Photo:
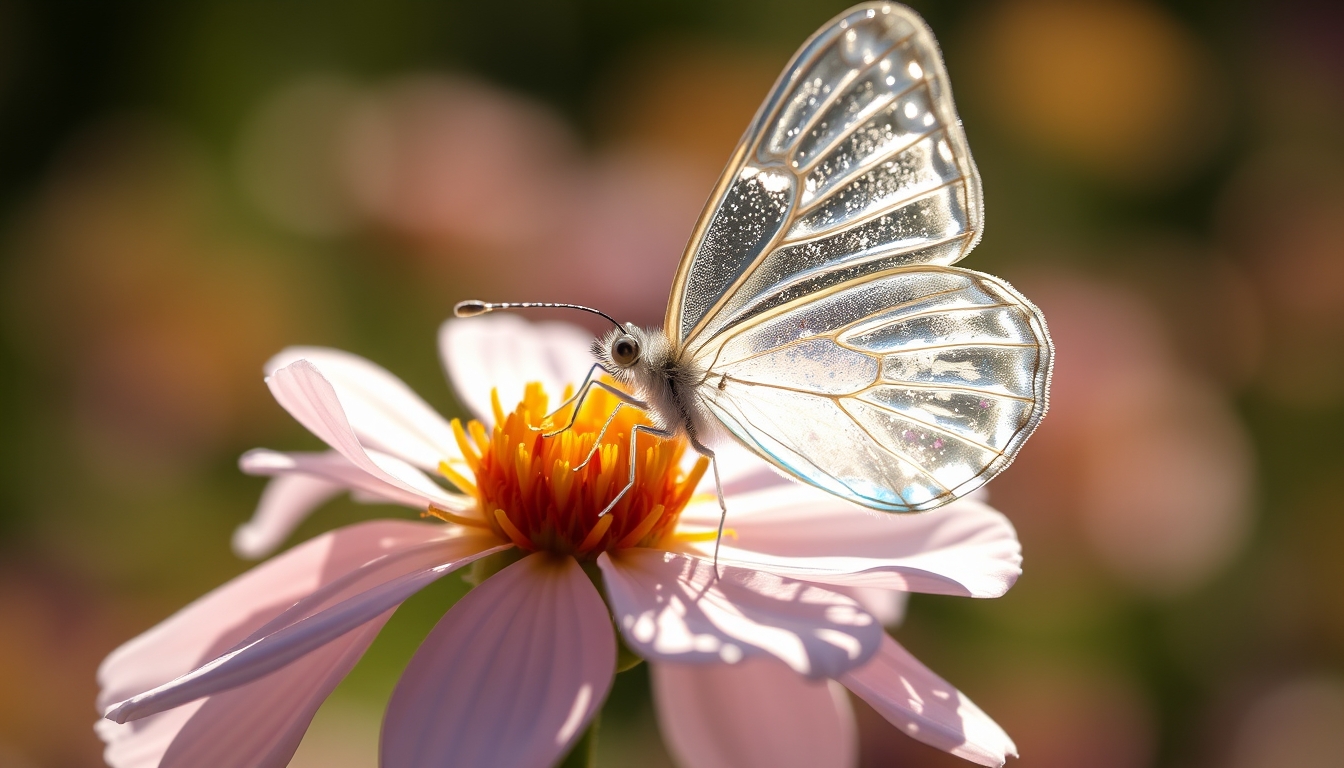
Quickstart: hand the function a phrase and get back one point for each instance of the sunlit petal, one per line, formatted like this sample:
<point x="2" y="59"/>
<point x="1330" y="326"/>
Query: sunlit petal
<point x="505" y="352"/>
<point x="257" y="725"/>
<point x="755" y="714"/>
<point x="286" y="502"/>
<point x="303" y="391"/>
<point x="965" y="548"/>
<point x="356" y="598"/>
<point x="511" y="676"/>
<point x="384" y="412"/>
<point x="671" y="607"/>
<point x="927" y="708"/>
<point x="222" y="618"/>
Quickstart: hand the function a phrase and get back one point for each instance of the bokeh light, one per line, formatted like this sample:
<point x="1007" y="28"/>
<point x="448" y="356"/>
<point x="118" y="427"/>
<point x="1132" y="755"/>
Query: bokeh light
<point x="1119" y="88"/>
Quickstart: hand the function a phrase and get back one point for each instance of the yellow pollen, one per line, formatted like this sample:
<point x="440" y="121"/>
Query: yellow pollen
<point x="533" y="496"/>
<point x="443" y="514"/>
<point x="463" y="484"/>
<point x="694" y="536"/>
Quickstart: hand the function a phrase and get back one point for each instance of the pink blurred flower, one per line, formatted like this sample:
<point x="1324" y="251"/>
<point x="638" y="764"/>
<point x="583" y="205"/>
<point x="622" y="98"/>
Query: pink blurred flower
<point x="1143" y="462"/>
<point x="747" y="668"/>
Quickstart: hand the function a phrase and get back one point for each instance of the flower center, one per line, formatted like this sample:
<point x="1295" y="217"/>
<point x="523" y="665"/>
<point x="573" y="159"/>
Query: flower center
<point x="530" y="493"/>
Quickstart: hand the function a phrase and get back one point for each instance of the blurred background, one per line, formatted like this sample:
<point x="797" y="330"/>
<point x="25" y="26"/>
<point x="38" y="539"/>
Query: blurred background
<point x="185" y="188"/>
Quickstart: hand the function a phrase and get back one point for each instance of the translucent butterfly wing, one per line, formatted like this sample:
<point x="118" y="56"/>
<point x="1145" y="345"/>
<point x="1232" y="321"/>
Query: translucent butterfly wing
<point x="855" y="162"/>
<point x="817" y="294"/>
<point x="900" y="392"/>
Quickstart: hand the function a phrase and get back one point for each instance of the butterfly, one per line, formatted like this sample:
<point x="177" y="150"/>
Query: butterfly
<point x="816" y="316"/>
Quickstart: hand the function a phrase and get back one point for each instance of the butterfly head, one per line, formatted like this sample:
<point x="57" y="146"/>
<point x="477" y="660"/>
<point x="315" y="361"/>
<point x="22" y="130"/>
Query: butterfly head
<point x="625" y="349"/>
<point x="621" y="350"/>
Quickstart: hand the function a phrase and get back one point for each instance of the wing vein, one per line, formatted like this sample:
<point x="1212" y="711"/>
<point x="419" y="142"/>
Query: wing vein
<point x="950" y="345"/>
<point x="807" y="299"/>
<point x="886" y="208"/>
<point x="821" y="152"/>
<point x="834" y="96"/>
<point x="902" y="455"/>
<point x="810" y="298"/>
<point x="934" y="427"/>
<point x="934" y="311"/>
<point x="953" y="388"/>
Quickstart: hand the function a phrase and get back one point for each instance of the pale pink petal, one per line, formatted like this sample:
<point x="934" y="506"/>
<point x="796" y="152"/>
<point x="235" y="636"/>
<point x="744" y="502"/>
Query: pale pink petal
<point x="258" y="725"/>
<point x="965" y="548"/>
<point x="330" y="612"/>
<point x="303" y="391"/>
<point x="143" y="743"/>
<point x="671" y="607"/>
<point x="511" y="676"/>
<point x="286" y="502"/>
<point x="412" y="488"/>
<point x="755" y="714"/>
<point x="504" y="351"/>
<point x="386" y="414"/>
<point x="886" y="605"/>
<point x="305" y="481"/>
<point x="224" y="617"/>
<point x="926" y="707"/>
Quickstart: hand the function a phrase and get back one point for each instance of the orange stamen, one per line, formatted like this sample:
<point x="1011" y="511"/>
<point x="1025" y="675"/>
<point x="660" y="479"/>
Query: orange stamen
<point x="632" y="538"/>
<point x="463" y="484"/>
<point x="452" y="517"/>
<point x="595" y="535"/>
<point x="511" y="531"/>
<point x="539" y="501"/>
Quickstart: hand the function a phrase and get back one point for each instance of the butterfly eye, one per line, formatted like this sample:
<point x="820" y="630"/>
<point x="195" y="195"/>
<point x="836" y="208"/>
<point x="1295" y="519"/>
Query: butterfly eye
<point x="624" y="351"/>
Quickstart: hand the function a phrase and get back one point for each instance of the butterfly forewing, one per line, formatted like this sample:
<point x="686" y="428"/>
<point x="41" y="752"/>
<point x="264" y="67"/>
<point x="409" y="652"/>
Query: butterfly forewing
<point x="856" y="163"/>
<point x="900" y="391"/>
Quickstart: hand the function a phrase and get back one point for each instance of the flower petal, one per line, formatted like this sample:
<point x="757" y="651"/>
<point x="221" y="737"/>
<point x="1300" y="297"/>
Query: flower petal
<point x="384" y="412"/>
<point x="506" y="352"/>
<point x="220" y="619"/>
<point x="335" y="468"/>
<point x="330" y="612"/>
<point x="255" y="725"/>
<point x="926" y="707"/>
<point x="303" y="391"/>
<point x="286" y="502"/>
<point x="886" y="605"/>
<point x="965" y="548"/>
<point x="756" y="713"/>
<point x="671" y="607"/>
<point x="511" y="676"/>
<point x="304" y="481"/>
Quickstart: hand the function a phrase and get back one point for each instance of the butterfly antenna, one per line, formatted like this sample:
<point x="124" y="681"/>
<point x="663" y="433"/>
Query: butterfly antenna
<point x="474" y="307"/>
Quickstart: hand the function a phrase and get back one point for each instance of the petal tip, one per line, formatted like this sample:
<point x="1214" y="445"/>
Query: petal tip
<point x="250" y="543"/>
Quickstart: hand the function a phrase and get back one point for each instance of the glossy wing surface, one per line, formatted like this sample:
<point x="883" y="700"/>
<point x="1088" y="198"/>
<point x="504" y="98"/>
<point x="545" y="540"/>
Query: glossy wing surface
<point x="856" y="163"/>
<point x="899" y="391"/>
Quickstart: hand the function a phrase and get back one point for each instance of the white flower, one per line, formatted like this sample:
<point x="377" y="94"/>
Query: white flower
<point x="746" y="668"/>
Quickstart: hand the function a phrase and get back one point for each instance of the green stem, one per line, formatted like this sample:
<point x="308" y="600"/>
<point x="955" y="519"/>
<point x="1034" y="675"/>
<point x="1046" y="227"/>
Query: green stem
<point x="584" y="753"/>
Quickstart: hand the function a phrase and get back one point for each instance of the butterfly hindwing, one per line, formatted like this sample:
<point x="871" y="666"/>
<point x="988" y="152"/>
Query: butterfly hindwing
<point x="899" y="391"/>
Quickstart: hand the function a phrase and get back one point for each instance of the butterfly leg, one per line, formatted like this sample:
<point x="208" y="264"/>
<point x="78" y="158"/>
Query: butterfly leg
<point x="597" y="442"/>
<point x="634" y="457"/>
<point x="579" y="397"/>
<point x="704" y="450"/>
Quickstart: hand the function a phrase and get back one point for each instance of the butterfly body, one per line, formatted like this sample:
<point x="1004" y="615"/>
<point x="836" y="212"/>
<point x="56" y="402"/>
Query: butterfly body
<point x="668" y="384"/>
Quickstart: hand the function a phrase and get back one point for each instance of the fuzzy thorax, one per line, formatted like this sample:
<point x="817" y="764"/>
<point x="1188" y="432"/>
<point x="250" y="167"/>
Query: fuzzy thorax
<point x="668" y="384"/>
